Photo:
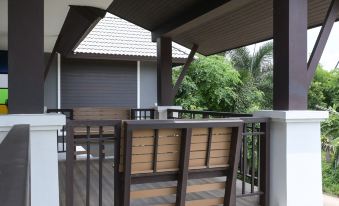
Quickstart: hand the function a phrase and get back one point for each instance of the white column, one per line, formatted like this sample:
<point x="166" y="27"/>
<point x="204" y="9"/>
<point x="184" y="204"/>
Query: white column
<point x="43" y="154"/>
<point x="161" y="111"/>
<point x="295" y="157"/>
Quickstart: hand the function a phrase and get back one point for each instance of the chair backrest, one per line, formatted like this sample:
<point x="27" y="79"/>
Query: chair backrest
<point x="101" y="113"/>
<point x="164" y="150"/>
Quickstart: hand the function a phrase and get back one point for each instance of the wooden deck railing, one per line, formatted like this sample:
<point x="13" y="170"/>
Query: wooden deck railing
<point x="142" y="114"/>
<point x="192" y="114"/>
<point x="252" y="175"/>
<point x="14" y="167"/>
<point x="86" y="133"/>
<point x="254" y="162"/>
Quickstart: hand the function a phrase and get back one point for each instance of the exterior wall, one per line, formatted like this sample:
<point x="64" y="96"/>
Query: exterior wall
<point x="98" y="83"/>
<point x="148" y="81"/>
<point x="51" y="85"/>
<point x="148" y="84"/>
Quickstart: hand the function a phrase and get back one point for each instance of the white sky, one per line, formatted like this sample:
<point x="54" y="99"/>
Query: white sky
<point x="330" y="56"/>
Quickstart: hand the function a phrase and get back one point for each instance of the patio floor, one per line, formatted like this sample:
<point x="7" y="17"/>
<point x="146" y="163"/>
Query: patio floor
<point x="108" y="194"/>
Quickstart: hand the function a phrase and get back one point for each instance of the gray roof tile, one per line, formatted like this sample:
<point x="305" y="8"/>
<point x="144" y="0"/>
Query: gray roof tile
<point x="115" y="36"/>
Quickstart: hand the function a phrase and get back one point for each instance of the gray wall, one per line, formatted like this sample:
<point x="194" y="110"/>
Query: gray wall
<point x="51" y="85"/>
<point x="148" y="84"/>
<point x="98" y="83"/>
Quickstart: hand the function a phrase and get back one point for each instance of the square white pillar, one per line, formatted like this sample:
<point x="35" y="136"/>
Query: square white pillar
<point x="295" y="157"/>
<point x="44" y="179"/>
<point x="161" y="111"/>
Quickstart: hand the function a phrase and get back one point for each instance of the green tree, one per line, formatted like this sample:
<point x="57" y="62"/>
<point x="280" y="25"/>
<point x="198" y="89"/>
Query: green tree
<point x="213" y="84"/>
<point x="256" y="69"/>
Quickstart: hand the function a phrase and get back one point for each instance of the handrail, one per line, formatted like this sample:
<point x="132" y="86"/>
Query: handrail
<point x="192" y="114"/>
<point x="142" y="113"/>
<point x="14" y="167"/>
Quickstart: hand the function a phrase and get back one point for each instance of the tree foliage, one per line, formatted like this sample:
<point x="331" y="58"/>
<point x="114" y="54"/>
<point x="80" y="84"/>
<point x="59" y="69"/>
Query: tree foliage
<point x="213" y="84"/>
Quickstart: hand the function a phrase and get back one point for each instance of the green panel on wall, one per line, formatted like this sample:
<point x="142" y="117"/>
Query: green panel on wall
<point x="3" y="96"/>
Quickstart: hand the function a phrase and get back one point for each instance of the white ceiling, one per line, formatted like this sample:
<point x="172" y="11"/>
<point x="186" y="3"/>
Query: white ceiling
<point x="55" y="14"/>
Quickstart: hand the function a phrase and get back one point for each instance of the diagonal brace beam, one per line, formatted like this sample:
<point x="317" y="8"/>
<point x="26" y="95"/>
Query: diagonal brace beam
<point x="322" y="40"/>
<point x="185" y="69"/>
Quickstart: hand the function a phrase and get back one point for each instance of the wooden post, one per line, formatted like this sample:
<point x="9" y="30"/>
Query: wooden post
<point x="164" y="71"/>
<point x="26" y="56"/>
<point x="290" y="55"/>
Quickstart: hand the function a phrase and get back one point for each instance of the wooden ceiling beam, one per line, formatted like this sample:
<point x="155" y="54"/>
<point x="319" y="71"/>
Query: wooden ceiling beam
<point x="79" y="21"/>
<point x="323" y="36"/>
<point x="183" y="18"/>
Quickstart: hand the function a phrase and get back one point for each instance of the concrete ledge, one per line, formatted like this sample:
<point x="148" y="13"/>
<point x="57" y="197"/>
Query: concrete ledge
<point x="293" y="115"/>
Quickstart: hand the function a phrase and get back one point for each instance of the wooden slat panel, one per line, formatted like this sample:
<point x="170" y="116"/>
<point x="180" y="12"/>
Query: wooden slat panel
<point x="143" y="141"/>
<point x="169" y="132"/>
<point x="199" y="147"/>
<point x="167" y="165"/>
<point x="219" y="131"/>
<point x="219" y="153"/>
<point x="168" y="156"/>
<point x="197" y="163"/>
<point x="153" y="192"/>
<point x="219" y="161"/>
<point x="221" y="138"/>
<point x="205" y="202"/>
<point x="197" y="155"/>
<point x="220" y="145"/>
<point x="200" y="139"/>
<point x="143" y="133"/>
<point x="168" y="148"/>
<point x="142" y="158"/>
<point x="205" y="187"/>
<point x="199" y="132"/>
<point x="142" y="150"/>
<point x="174" y="140"/>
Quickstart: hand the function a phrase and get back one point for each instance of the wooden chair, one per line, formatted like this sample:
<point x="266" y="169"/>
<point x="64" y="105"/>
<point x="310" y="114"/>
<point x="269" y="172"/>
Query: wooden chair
<point x="166" y="160"/>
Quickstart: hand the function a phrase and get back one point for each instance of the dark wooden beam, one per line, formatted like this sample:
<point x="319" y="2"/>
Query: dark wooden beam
<point x="290" y="86"/>
<point x="79" y="21"/>
<point x="185" y="69"/>
<point x="164" y="71"/>
<point x="322" y="39"/>
<point x="26" y="56"/>
<point x="184" y="17"/>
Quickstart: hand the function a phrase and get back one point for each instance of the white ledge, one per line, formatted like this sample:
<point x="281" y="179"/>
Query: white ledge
<point x="36" y="121"/>
<point x="293" y="115"/>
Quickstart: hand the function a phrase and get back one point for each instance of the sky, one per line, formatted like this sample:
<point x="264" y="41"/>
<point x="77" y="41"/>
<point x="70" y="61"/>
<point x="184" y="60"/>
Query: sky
<point x="330" y="56"/>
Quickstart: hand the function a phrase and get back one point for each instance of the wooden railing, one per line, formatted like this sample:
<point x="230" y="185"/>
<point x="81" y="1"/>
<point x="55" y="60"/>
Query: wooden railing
<point x="192" y="114"/>
<point x="89" y="134"/>
<point x="14" y="167"/>
<point x="142" y="114"/>
<point x="253" y="169"/>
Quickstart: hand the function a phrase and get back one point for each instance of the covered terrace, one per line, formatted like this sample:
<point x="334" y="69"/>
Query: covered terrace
<point x="207" y="27"/>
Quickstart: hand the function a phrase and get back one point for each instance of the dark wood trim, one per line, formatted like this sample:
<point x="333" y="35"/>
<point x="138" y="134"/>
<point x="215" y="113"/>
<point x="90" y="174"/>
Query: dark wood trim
<point x="173" y="176"/>
<point x="69" y="165"/>
<point x="230" y="187"/>
<point x="290" y="62"/>
<point x="80" y="20"/>
<point x="183" y="166"/>
<point x="26" y="56"/>
<point x="184" y="70"/>
<point x="14" y="167"/>
<point x="323" y="36"/>
<point x="186" y="16"/>
<point x="265" y="164"/>
<point x="127" y="166"/>
<point x="164" y="71"/>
